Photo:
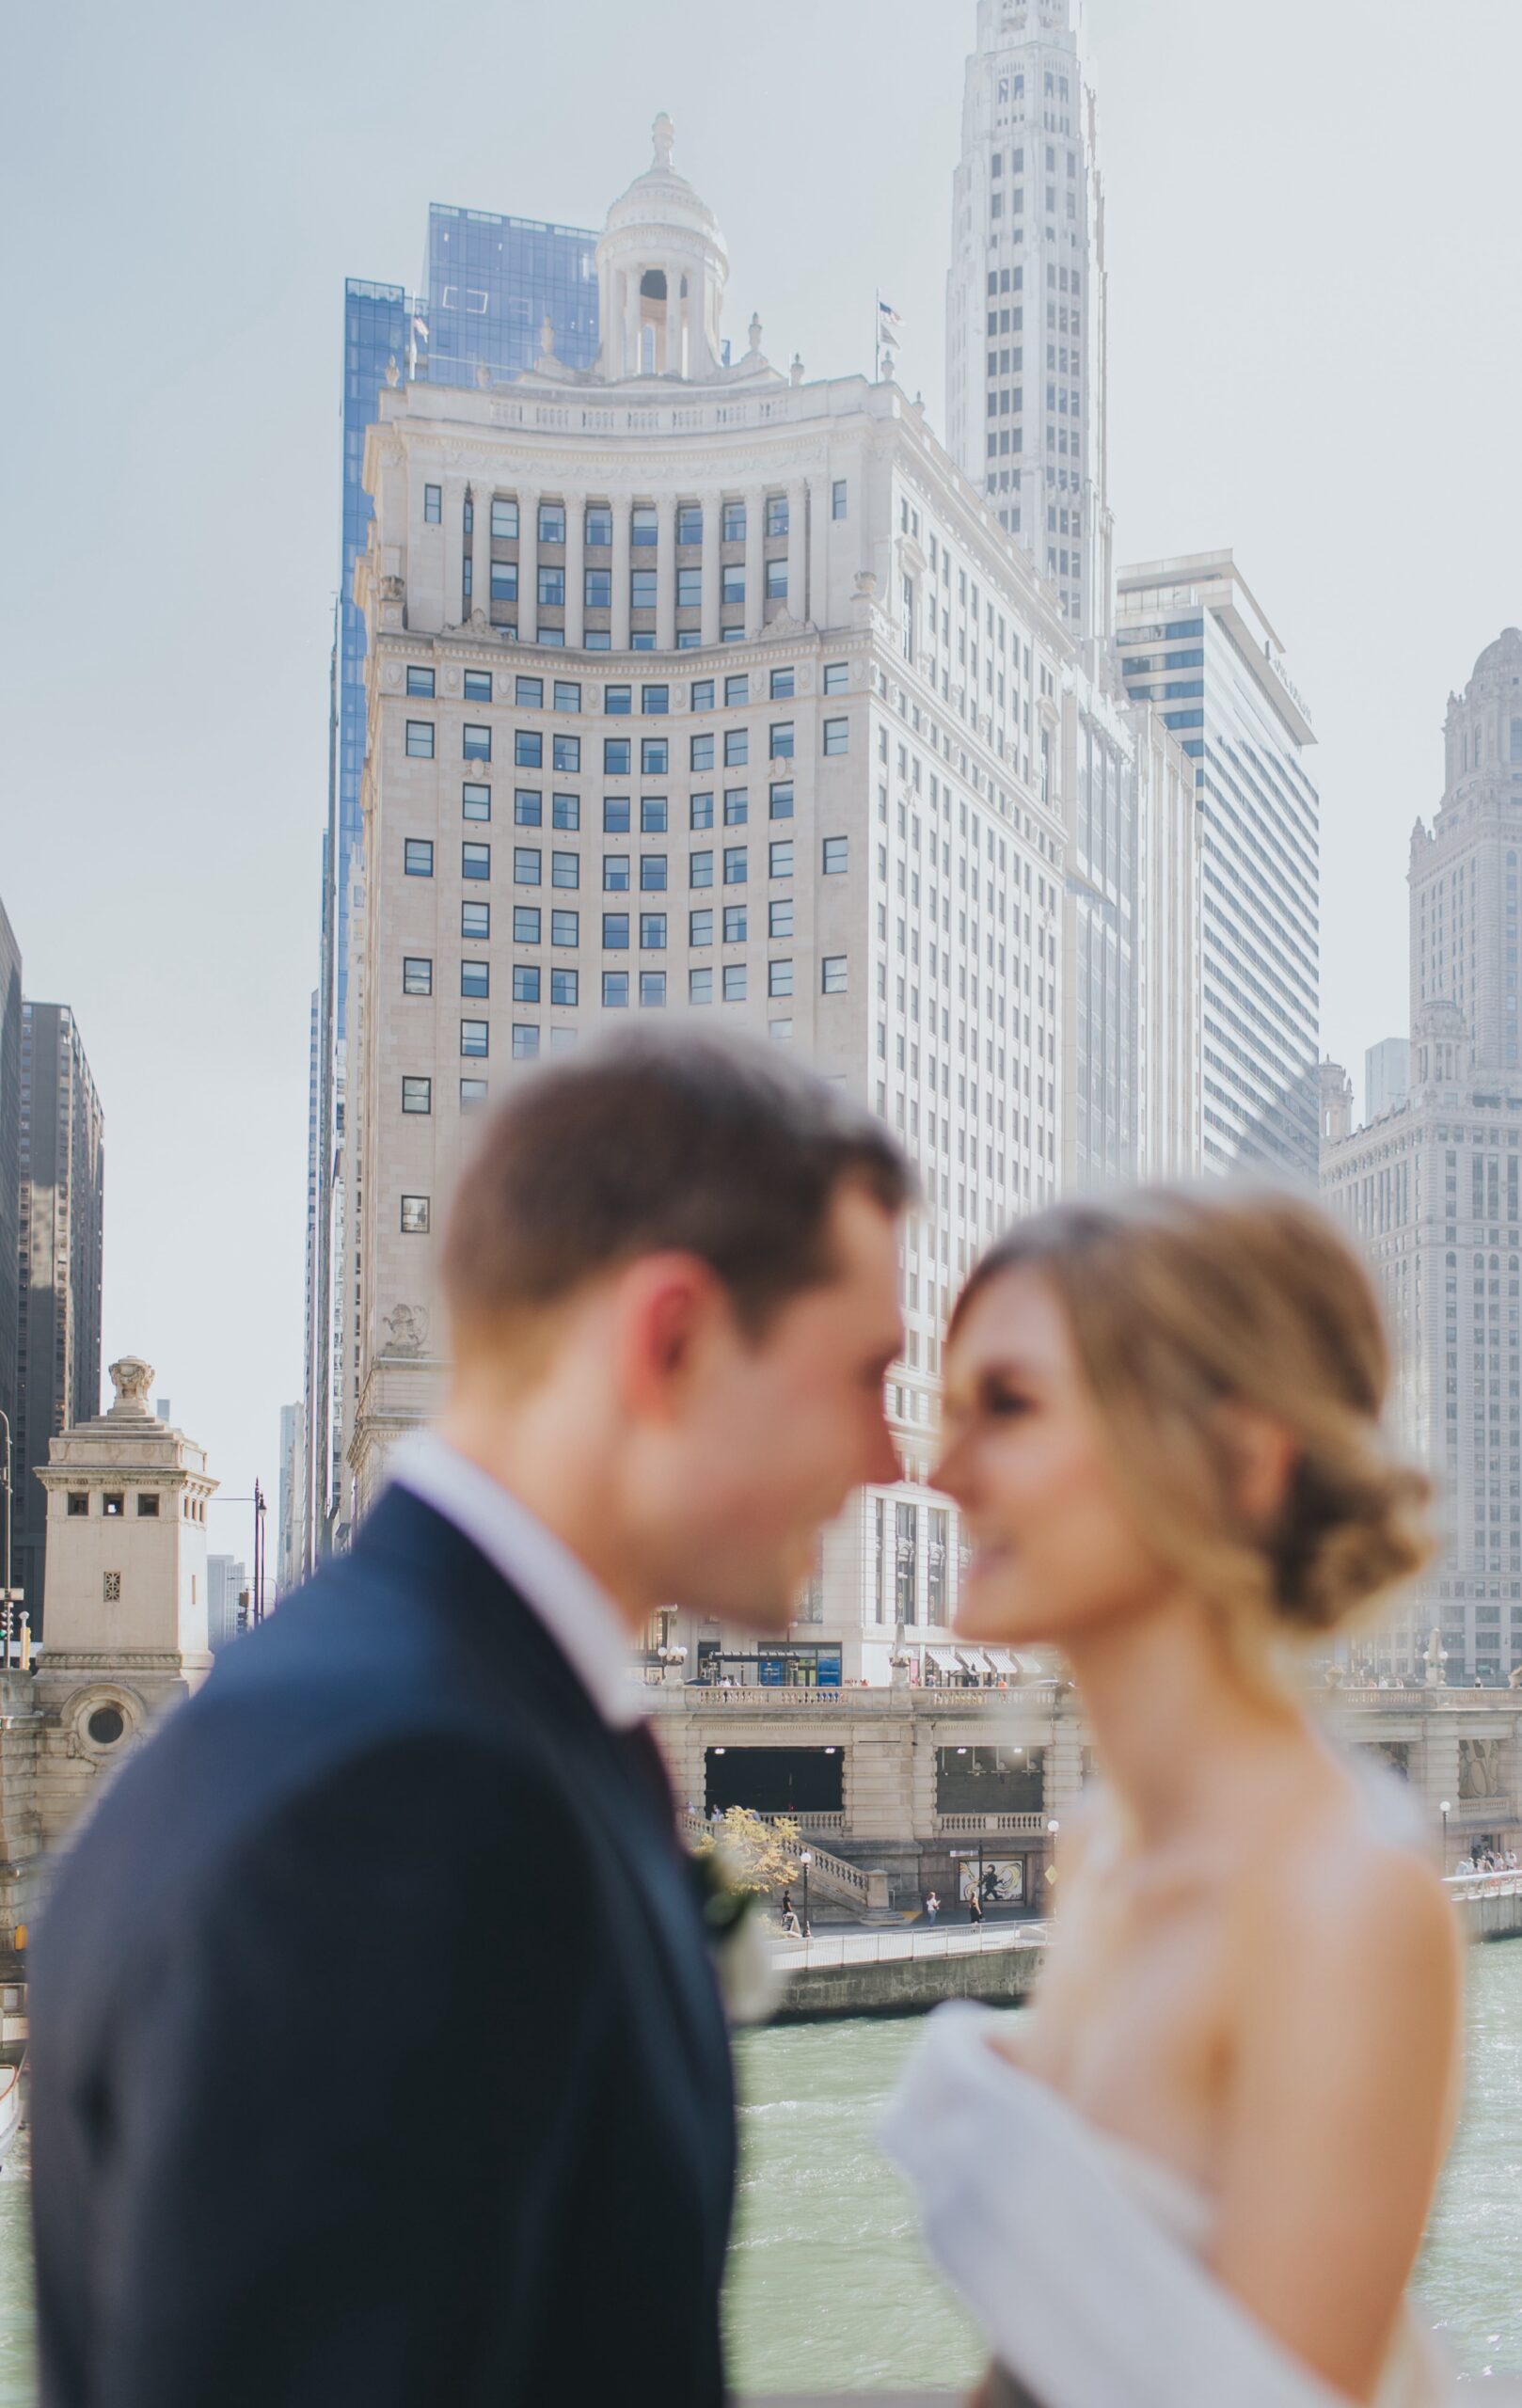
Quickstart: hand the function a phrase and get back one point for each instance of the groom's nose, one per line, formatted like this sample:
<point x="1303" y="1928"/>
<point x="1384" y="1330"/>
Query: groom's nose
<point x="883" y="1466"/>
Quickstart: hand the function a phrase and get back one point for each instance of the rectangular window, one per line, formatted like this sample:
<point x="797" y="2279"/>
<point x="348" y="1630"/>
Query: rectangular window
<point x="504" y="521"/>
<point x="701" y="869"/>
<point x="781" y="740"/>
<point x="475" y="803"/>
<point x="782" y="684"/>
<point x="654" y="755"/>
<point x="475" y="920"/>
<point x="418" y="857"/>
<point x="736" y="691"/>
<point x="526" y="924"/>
<point x="653" y="815"/>
<point x="700" y="752"/>
<point x="736" y="923"/>
<point x="475" y="861"/>
<point x="652" y="988"/>
<point x="837" y="735"/>
<point x="597" y="589"/>
<point x="551" y="587"/>
<point x="651" y="931"/>
<point x="617" y="757"/>
<point x="414" y="1216"/>
<point x="565" y="755"/>
<point x="652" y="873"/>
<point x="836" y="677"/>
<point x="417" y="1095"/>
<point x="702" y="698"/>
<point x="782" y="802"/>
<point x="528" y="807"/>
<point x="618" y="701"/>
<point x="836" y="851"/>
<point x="475" y="977"/>
<point x="420" y="681"/>
<point x="567" y="695"/>
<point x="420" y="739"/>
<point x="565" y="928"/>
<point x="644" y="527"/>
<point x="731" y="581"/>
<point x="433" y="505"/>
<point x="527" y="865"/>
<point x="700" y="985"/>
<point x="566" y="810"/>
<point x="832" y="974"/>
<point x="699" y="927"/>
<point x="565" y="985"/>
<point x="416" y="975"/>
<point x="655" y="701"/>
<point x="552" y="522"/>
<point x="701" y="811"/>
<point x="779" y="978"/>
<point x="733" y="982"/>
<point x="478" y="685"/>
<point x="525" y="984"/>
<point x="504" y="580"/>
<point x="615" y="815"/>
<point x="473" y="1036"/>
<point x="736" y="872"/>
<point x="642" y="589"/>
<point x="777" y="580"/>
<point x="734" y="522"/>
<point x="616" y="991"/>
<point x="737" y="747"/>
<point x="837" y="499"/>
<point x="599" y="524"/>
<point x="615" y="932"/>
<point x="527" y="748"/>
<point x="565" y="869"/>
<point x="472" y="1093"/>
<point x="477" y="744"/>
<point x="525" y="1040"/>
<point x="780" y="863"/>
<point x="780" y="917"/>
<point x="688" y="589"/>
<point x="615" y="873"/>
<point x="777" y="513"/>
<point x="737" y="806"/>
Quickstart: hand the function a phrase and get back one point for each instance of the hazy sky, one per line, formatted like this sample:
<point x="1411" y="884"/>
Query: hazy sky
<point x="1312" y="226"/>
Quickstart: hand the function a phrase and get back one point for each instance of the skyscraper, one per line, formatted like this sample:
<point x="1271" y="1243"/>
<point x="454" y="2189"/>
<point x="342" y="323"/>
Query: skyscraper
<point x="10" y="1127"/>
<point x="1386" y="1075"/>
<point x="1026" y="364"/>
<point x="756" y="718"/>
<point x="1194" y="641"/>
<point x="1434" y="1185"/>
<point x="60" y="1249"/>
<point x="488" y="284"/>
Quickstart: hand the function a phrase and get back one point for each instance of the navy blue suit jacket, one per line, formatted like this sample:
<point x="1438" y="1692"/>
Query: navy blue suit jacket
<point x="377" y="2054"/>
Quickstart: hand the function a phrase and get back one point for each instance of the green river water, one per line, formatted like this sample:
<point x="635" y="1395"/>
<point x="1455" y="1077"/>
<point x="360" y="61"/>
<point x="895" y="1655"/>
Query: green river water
<point x="829" y="2288"/>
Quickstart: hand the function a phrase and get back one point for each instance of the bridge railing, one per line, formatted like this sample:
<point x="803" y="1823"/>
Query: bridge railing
<point x="834" y="1949"/>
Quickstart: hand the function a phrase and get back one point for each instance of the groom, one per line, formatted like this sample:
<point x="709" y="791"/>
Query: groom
<point x="378" y="2056"/>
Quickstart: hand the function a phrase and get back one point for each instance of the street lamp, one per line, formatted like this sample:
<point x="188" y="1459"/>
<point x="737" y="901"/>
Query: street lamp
<point x="805" y="1860"/>
<point x="1051" y="1830"/>
<point x="1445" y="1810"/>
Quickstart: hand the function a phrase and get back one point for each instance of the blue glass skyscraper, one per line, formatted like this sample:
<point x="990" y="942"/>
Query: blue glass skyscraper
<point x="487" y="285"/>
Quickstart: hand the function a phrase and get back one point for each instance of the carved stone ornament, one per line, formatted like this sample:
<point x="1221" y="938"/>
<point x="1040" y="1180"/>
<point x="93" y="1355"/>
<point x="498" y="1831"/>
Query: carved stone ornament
<point x="1480" y="1768"/>
<point x="392" y="672"/>
<point x="392" y="589"/>
<point x="407" y="1330"/>
<point x="132" y="1378"/>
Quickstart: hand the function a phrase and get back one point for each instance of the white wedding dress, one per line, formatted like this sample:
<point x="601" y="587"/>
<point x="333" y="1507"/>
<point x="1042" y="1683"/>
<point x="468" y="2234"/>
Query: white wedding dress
<point x="1079" y="2256"/>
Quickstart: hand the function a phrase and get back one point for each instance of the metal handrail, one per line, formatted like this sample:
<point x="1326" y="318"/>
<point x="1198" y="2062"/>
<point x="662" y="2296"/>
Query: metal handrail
<point x="835" y="1950"/>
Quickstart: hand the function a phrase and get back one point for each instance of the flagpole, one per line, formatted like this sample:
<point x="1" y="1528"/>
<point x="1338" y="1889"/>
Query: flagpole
<point x="876" y="337"/>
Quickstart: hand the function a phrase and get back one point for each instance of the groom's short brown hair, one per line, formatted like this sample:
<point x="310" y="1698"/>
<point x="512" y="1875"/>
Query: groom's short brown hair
<point x="643" y="1144"/>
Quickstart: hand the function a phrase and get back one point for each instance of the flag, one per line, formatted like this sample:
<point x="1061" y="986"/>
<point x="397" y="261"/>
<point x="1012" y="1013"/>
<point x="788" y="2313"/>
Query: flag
<point x="419" y="328"/>
<point x="888" y="322"/>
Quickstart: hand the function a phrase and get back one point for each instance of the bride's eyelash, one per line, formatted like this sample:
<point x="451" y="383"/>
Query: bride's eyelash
<point x="1006" y="1402"/>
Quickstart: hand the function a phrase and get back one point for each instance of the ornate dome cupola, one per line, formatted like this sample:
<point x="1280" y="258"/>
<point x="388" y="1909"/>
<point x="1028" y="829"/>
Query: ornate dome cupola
<point x="661" y="272"/>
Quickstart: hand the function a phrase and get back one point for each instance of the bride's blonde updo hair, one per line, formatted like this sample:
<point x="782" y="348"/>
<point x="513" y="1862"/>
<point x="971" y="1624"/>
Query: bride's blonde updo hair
<point x="1183" y="1301"/>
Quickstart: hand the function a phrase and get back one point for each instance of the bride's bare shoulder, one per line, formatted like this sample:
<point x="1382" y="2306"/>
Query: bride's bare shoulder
<point x="1352" y="1909"/>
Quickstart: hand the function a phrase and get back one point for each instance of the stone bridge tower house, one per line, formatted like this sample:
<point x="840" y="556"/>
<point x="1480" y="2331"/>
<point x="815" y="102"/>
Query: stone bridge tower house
<point x="125" y="1604"/>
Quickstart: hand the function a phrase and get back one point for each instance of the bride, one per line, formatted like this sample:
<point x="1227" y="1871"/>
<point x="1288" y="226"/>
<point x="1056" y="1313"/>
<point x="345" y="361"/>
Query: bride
<point x="1198" y="2173"/>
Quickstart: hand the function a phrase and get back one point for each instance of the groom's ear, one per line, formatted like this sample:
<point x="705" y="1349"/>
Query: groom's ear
<point x="669" y="1312"/>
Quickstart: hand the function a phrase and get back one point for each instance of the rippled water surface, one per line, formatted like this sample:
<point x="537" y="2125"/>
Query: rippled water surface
<point x="830" y="2289"/>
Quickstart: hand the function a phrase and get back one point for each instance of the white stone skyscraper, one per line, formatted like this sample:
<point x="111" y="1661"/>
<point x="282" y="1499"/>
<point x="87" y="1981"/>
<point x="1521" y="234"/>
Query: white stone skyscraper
<point x="1027" y="365"/>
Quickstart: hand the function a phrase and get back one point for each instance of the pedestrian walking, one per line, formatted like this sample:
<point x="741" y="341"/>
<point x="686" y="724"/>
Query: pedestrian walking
<point x="933" y="1906"/>
<point x="974" y="1908"/>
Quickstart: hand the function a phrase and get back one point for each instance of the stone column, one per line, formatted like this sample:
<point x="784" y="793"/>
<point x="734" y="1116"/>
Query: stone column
<point x="620" y="573"/>
<point x="480" y="547"/>
<point x="1440" y="1775"/>
<point x="528" y="566"/>
<point x="674" y="366"/>
<point x="576" y="583"/>
<point x="756" y="574"/>
<point x="815" y="606"/>
<point x="797" y="519"/>
<point x="453" y="509"/>
<point x="631" y="322"/>
<point x="713" y="519"/>
<point x="666" y="573"/>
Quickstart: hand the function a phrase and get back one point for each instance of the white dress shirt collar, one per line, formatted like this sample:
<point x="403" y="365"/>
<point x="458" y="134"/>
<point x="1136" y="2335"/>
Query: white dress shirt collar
<point x="575" y="1609"/>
